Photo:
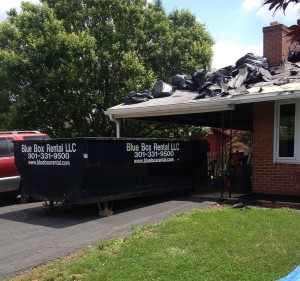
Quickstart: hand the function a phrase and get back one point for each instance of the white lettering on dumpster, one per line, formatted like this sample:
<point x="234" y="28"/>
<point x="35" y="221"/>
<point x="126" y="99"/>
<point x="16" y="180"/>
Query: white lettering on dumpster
<point x="55" y="148"/>
<point x="48" y="154"/>
<point x="132" y="147"/>
<point x="26" y="148"/>
<point x="153" y="152"/>
<point x="37" y="148"/>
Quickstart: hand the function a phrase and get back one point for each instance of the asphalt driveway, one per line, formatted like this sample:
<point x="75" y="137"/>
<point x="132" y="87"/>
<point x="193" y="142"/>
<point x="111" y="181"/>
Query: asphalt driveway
<point x="31" y="235"/>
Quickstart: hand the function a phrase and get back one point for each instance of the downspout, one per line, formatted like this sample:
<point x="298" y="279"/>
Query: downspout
<point x="117" y="122"/>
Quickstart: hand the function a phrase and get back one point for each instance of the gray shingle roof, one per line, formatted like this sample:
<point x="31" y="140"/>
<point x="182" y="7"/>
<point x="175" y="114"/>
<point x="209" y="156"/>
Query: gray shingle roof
<point x="282" y="82"/>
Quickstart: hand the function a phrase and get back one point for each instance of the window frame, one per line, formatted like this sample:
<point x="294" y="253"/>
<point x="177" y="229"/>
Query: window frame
<point x="296" y="157"/>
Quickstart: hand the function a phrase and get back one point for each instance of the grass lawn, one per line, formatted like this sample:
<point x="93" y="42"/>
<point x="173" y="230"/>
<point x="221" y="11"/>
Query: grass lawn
<point x="217" y="243"/>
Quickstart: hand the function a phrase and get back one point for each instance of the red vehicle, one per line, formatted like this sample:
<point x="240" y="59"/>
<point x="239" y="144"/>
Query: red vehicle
<point x="10" y="182"/>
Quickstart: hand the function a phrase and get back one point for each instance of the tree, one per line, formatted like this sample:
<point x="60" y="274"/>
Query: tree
<point x="47" y="73"/>
<point x="179" y="42"/>
<point x="64" y="62"/>
<point x="283" y="4"/>
<point x="133" y="128"/>
<point x="190" y="46"/>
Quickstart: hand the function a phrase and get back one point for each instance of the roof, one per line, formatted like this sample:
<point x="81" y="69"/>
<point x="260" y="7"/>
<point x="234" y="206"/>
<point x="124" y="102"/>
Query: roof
<point x="185" y="102"/>
<point x="186" y="107"/>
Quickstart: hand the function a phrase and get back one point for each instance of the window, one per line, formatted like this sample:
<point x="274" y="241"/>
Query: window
<point x="11" y="146"/>
<point x="4" y="151"/>
<point x="287" y="132"/>
<point x="36" y="138"/>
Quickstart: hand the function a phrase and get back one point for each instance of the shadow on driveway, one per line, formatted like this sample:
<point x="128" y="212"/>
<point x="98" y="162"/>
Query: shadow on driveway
<point x="62" y="216"/>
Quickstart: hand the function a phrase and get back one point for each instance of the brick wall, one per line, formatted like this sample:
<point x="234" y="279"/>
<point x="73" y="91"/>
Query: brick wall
<point x="269" y="177"/>
<point x="276" y="43"/>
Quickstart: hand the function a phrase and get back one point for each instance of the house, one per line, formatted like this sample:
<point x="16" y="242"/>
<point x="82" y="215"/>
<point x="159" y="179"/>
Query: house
<point x="217" y="139"/>
<point x="269" y="108"/>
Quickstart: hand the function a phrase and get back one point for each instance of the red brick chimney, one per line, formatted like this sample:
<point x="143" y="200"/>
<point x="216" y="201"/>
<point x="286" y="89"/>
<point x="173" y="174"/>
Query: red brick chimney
<point x="276" y="43"/>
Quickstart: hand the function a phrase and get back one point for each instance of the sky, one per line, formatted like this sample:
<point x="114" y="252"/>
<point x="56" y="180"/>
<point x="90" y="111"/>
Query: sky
<point x="235" y="25"/>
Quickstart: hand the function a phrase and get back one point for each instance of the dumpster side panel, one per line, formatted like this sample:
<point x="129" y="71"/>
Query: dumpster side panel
<point x="51" y="170"/>
<point x="89" y="170"/>
<point x="127" y="168"/>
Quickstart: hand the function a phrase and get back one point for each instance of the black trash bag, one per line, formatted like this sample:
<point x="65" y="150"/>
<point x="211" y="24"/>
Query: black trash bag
<point x="137" y="97"/>
<point x="250" y="58"/>
<point x="294" y="56"/>
<point x="162" y="89"/>
<point x="244" y="65"/>
<point x="225" y="71"/>
<point x="255" y="73"/>
<point x="183" y="82"/>
<point x="203" y="88"/>
<point x="209" y="90"/>
<point x="199" y="79"/>
<point x="189" y="82"/>
<point x="219" y="79"/>
<point x="213" y="91"/>
<point x="221" y="76"/>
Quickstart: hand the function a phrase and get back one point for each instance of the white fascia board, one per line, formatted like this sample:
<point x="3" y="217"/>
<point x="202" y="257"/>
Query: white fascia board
<point x="170" y="109"/>
<point x="261" y="97"/>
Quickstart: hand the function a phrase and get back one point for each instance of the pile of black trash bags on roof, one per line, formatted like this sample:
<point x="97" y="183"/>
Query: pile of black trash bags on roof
<point x="159" y="90"/>
<point x="248" y="70"/>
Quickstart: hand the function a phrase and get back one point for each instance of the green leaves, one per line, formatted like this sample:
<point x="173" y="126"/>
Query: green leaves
<point x="63" y="63"/>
